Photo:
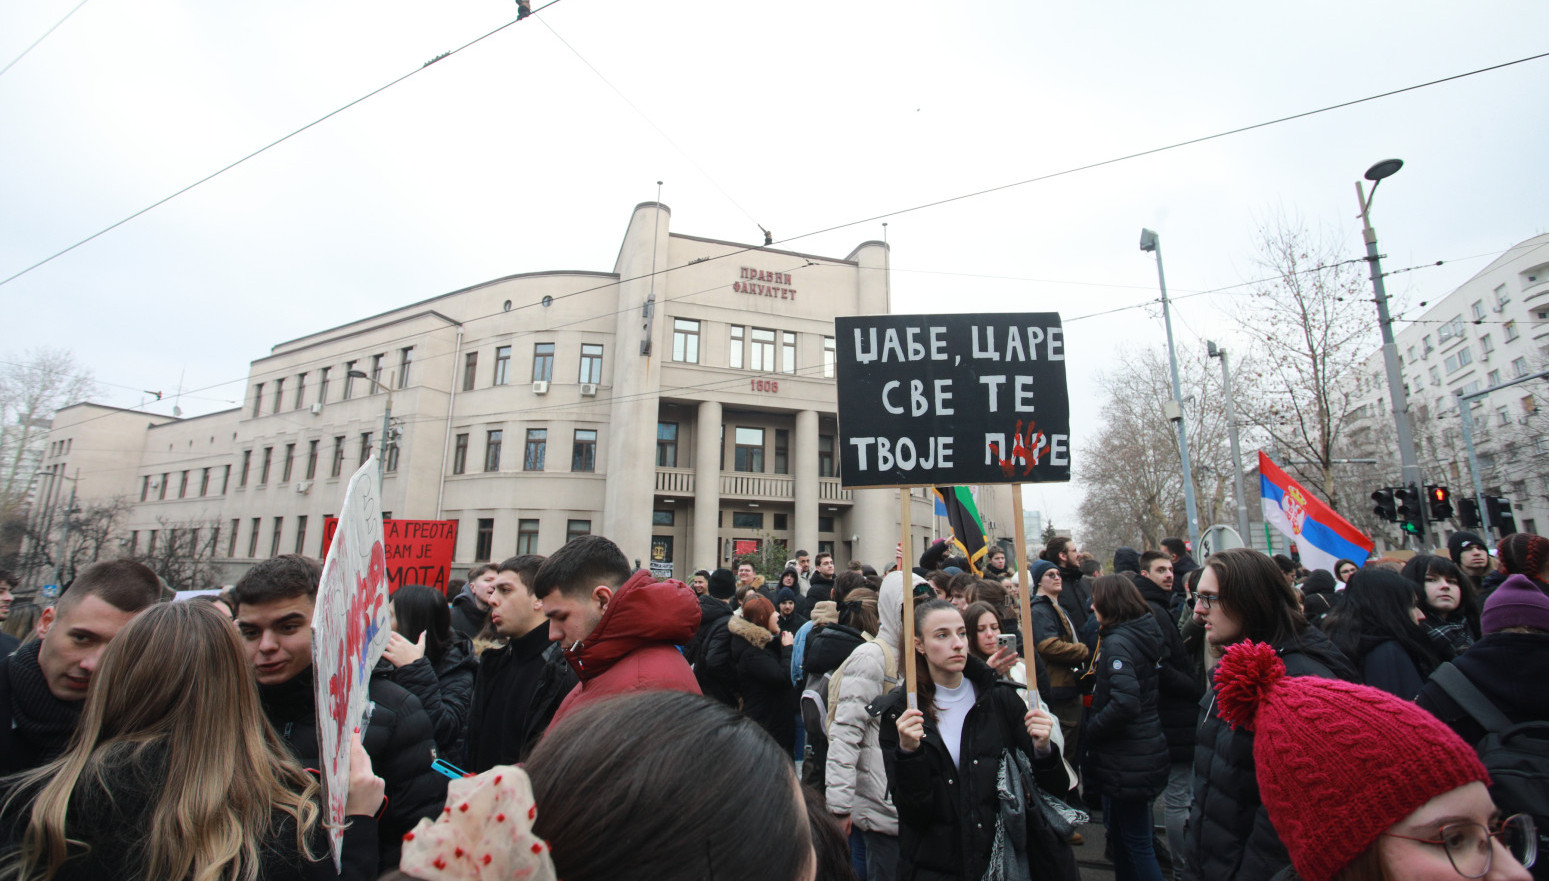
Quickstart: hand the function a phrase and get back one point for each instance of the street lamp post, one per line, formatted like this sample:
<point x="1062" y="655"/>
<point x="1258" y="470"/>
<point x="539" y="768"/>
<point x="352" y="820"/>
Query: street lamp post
<point x="1406" y="442"/>
<point x="1150" y="241"/>
<point x="1231" y="424"/>
<point x="387" y="423"/>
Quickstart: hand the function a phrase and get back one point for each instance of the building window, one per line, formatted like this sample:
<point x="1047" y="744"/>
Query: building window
<point x="747" y="520"/>
<point x="231" y="540"/>
<point x="226" y="480"/>
<point x="685" y="340"/>
<point x="204" y="483"/>
<point x="536" y="449"/>
<point x="274" y="540"/>
<point x="787" y="352"/>
<point x="290" y="458"/>
<point x="1529" y="405"/>
<point x="1501" y="297"/>
<point x="1511" y="331"/>
<point x="1478" y="309"/>
<point x="312" y="458"/>
<point x="829" y="357"/>
<point x="583" y="455"/>
<point x="502" y="365"/>
<point x="145" y="487"/>
<point x="1449" y="330"/>
<point x="301" y="389"/>
<point x="376" y="373"/>
<point x="301" y="535"/>
<point x="527" y="536"/>
<point x="749" y="451"/>
<point x="1519" y="368"/>
<point x="150" y="547"/>
<point x="279" y="394"/>
<point x="1494" y="378"/>
<point x="134" y="542"/>
<point x="1486" y="345"/>
<point x="322" y="385"/>
<point x="1435" y="376"/>
<point x="542" y="362"/>
<point x="782" y="451"/>
<point x="460" y="454"/>
<point x="484" y="540"/>
<point x="349" y="381"/>
<point x="666" y="445"/>
<point x="1426" y="347"/>
<point x="591" y="363"/>
<point x="1458" y="360"/>
<point x="1502" y="416"/>
<point x="662" y="517"/>
<point x="782" y="522"/>
<point x="738" y="333"/>
<point x="826" y="456"/>
<point x="577" y="528"/>
<point x="405" y="361"/>
<point x="365" y="448"/>
<point x="182" y="488"/>
<point x="263" y="466"/>
<point x="492" y="454"/>
<point x="761" y="350"/>
<point x="338" y="457"/>
<point x="247" y="462"/>
<point x="392" y="454"/>
<point x="252" y="540"/>
<point x="470" y="365"/>
<point x="826" y="524"/>
<point x="258" y="399"/>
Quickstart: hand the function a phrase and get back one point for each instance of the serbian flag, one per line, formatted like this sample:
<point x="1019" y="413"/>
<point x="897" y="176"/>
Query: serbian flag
<point x="1321" y="535"/>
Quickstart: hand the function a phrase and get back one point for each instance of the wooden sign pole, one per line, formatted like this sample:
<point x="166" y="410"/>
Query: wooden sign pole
<point x="1025" y="599"/>
<point x="905" y="546"/>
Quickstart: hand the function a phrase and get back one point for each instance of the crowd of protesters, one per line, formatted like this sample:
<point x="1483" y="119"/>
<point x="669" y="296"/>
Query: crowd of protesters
<point x="570" y="717"/>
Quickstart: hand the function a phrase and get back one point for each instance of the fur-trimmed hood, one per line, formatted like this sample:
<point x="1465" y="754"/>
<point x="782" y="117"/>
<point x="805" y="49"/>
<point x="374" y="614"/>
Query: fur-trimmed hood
<point x="758" y="636"/>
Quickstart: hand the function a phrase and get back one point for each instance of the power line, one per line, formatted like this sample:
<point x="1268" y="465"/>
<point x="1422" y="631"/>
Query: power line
<point x="217" y="173"/>
<point x="42" y="38"/>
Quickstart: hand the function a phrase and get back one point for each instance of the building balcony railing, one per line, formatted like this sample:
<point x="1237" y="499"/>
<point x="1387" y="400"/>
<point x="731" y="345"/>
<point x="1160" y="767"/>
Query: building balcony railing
<point x="829" y="490"/>
<point x="757" y="486"/>
<point x="735" y="484"/>
<point x="675" y="481"/>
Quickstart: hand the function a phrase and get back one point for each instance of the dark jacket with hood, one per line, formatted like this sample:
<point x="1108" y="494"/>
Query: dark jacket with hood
<point x="713" y="668"/>
<point x="1230" y="837"/>
<point x="1179" y="687"/>
<point x="445" y="690"/>
<point x="829" y="647"/>
<point x="467" y="618"/>
<point x="764" y="680"/>
<point x="1510" y="669"/>
<point x="1318" y="596"/>
<point x="1126" y="753"/>
<point x="517" y="690"/>
<point x="712" y="612"/>
<point x="1062" y="652"/>
<point x="398" y="738"/>
<point x="35" y="726"/>
<point x="634" y="647"/>
<point x="947" y="812"/>
<point x="1076" y="600"/>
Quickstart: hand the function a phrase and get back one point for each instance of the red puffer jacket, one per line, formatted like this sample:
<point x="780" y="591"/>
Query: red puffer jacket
<point x="635" y="645"/>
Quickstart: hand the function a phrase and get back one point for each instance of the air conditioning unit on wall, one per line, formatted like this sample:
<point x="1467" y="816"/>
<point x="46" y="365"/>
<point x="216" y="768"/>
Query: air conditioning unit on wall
<point x="589" y="389"/>
<point x="317" y="408"/>
<point x="304" y="487"/>
<point x="541" y="387"/>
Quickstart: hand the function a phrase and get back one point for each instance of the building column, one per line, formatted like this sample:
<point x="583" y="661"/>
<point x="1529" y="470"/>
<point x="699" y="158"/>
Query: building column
<point x="707" y="487"/>
<point x="806" y="470"/>
<point x="874" y="523"/>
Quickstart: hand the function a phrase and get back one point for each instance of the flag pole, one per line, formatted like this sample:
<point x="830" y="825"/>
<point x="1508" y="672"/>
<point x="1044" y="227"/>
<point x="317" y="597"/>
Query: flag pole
<point x="904" y="570"/>
<point x="1024" y="599"/>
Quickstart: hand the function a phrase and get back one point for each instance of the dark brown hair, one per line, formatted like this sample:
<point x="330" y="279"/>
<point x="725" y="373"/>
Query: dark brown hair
<point x="1117" y="599"/>
<point x="123" y="584"/>
<point x="971" y="616"/>
<point x="583" y="563"/>
<point x="860" y="611"/>
<point x="1255" y="592"/>
<point x="282" y="578"/>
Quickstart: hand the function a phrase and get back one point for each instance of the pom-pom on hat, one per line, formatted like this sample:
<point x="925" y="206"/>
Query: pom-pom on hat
<point x="484" y="832"/>
<point x="1389" y="756"/>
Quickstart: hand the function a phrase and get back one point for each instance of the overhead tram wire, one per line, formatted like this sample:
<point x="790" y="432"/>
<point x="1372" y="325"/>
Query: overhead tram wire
<point x="261" y="150"/>
<point x="872" y="219"/>
<point x="42" y="38"/>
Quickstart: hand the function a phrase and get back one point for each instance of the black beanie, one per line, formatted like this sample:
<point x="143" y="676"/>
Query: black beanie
<point x="1459" y="540"/>
<point x="723" y="584"/>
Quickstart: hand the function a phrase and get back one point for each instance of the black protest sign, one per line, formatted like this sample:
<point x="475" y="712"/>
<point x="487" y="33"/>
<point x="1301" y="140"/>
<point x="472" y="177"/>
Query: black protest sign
<point x="952" y="399"/>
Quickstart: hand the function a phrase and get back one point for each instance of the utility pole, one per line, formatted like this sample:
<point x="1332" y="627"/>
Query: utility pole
<point x="1231" y="424"/>
<point x="1406" y="441"/>
<point x="1150" y="241"/>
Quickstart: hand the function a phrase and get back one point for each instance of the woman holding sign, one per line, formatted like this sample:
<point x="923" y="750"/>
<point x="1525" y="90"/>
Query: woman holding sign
<point x="943" y="759"/>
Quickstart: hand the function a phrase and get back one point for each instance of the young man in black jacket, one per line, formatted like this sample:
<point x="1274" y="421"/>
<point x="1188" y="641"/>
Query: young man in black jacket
<point x="274" y="617"/>
<point x="43" y="685"/>
<point x="520" y="684"/>
<point x="1243" y="595"/>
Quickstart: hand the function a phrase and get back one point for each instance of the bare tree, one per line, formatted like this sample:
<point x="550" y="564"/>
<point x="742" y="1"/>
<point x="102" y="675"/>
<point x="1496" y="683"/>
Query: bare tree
<point x="183" y="553"/>
<point x="1132" y="470"/>
<point x="33" y="386"/>
<point x="1311" y="327"/>
<point x="73" y="540"/>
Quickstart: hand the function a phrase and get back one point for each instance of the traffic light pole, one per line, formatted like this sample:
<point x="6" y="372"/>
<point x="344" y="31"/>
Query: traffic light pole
<point x="1465" y="410"/>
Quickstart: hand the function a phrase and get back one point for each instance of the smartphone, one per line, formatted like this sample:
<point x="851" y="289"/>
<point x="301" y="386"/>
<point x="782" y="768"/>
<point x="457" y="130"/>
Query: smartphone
<point x="1007" y="641"/>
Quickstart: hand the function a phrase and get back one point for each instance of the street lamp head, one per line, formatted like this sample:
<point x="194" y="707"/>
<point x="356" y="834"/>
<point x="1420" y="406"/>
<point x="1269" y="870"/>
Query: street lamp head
<point x="1212" y="349"/>
<point x="1148" y="240"/>
<point x="358" y="374"/>
<point x="1385" y="168"/>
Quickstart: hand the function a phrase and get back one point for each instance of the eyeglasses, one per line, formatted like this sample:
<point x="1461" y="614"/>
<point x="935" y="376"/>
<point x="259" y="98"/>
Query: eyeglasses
<point x="1203" y="601"/>
<point x="1471" y="848"/>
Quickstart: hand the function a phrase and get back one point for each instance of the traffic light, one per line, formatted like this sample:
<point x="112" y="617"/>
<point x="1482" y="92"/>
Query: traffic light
<point x="1386" y="508"/>
<point x="1440" y="500"/>
<point x="1410" y="514"/>
<point x="1500" y="513"/>
<point x="1468" y="512"/>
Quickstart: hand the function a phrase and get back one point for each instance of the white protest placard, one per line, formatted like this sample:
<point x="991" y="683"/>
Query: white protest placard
<point x="350" y="627"/>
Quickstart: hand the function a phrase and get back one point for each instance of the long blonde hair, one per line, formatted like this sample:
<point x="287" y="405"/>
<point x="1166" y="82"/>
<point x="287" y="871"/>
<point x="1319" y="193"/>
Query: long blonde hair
<point x="173" y="689"/>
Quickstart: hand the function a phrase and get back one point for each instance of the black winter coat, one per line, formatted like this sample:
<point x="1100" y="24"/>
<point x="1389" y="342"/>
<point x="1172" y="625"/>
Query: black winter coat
<point x="764" y="680"/>
<point x="1076" y="599"/>
<point x="1179" y="685"/>
<point x="1063" y="654"/>
<point x="1229" y="835"/>
<point x="1384" y="664"/>
<point x="467" y="618"/>
<point x="715" y="670"/>
<point x="1510" y="669"/>
<point x="503" y="727"/>
<point x="444" y="690"/>
<point x="398" y="739"/>
<point x="1126" y="754"/>
<point x="711" y="611"/>
<point x="828" y="647"/>
<point x="946" y="812"/>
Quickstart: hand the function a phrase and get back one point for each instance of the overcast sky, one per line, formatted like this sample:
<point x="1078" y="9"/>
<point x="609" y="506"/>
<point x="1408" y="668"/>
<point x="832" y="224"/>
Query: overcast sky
<point x="515" y="156"/>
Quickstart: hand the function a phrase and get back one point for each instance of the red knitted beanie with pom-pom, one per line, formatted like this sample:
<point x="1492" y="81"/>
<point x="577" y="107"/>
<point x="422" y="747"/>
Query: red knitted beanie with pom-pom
<point x="1337" y="763"/>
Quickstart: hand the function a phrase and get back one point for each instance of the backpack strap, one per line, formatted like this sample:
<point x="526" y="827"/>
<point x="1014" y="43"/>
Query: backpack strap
<point x="1469" y="697"/>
